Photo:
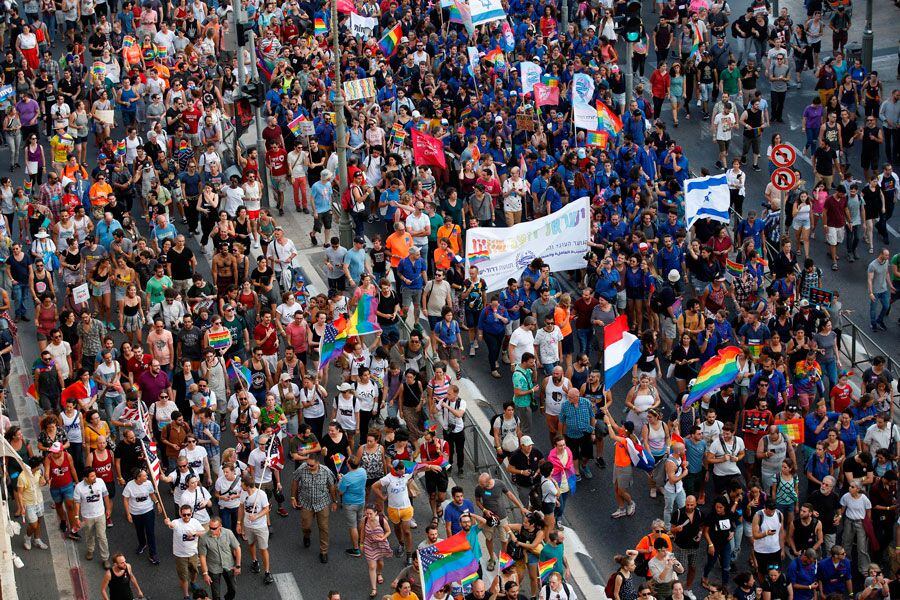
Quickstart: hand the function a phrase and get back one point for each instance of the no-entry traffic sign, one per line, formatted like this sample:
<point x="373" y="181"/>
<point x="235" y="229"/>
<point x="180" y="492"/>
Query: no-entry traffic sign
<point x="784" y="155"/>
<point x="784" y="179"/>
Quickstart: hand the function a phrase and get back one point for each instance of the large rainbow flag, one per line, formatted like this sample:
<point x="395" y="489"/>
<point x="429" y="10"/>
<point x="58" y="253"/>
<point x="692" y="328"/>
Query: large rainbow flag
<point x="545" y="568"/>
<point x="718" y="371"/>
<point x="219" y="340"/>
<point x="319" y="27"/>
<point x="735" y="269"/>
<point x="496" y="58"/>
<point x="452" y="559"/>
<point x="388" y="44"/>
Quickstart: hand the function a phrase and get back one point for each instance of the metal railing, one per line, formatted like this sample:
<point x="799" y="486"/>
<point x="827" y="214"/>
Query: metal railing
<point x="479" y="448"/>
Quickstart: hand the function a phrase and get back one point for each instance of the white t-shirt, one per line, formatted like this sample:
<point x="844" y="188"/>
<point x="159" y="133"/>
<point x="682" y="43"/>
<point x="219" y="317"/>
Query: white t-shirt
<point x="229" y="491"/>
<point x="877" y="438"/>
<point x="724" y="126"/>
<point x="548" y="344"/>
<point x="185" y="537"/>
<point x="711" y="432"/>
<point x="194" y="457"/>
<point x="72" y="427"/>
<point x="449" y="421"/>
<point x="90" y="497"/>
<point x="522" y="341"/>
<point x="139" y="501"/>
<point x="234" y="199"/>
<point x="395" y="488"/>
<point x="180" y="482"/>
<point x="254" y="503"/>
<point x="734" y="447"/>
<point x="261" y="473"/>
<point x="317" y="408"/>
<point x="417" y="224"/>
<point x="366" y="395"/>
<point x="346" y="411"/>
<point x="197" y="500"/>
<point x="855" y="508"/>
<point x="60" y="352"/>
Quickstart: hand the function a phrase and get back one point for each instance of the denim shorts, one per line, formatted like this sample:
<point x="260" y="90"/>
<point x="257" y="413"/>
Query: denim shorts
<point x="60" y="495"/>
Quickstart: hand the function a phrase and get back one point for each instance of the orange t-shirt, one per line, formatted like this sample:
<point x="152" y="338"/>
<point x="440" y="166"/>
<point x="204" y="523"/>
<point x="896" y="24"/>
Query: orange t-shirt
<point x="452" y="233"/>
<point x="561" y="316"/>
<point x="398" y="244"/>
<point x="622" y="458"/>
<point x="443" y="258"/>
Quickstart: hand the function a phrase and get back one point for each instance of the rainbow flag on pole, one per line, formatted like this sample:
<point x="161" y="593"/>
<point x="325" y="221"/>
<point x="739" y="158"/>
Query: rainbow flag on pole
<point x="452" y="559"/>
<point x="121" y="148"/>
<point x="388" y="43"/>
<point x="718" y="371"/>
<point x="545" y="568"/>
<point x="128" y="41"/>
<point x="496" y="58"/>
<point x="294" y="125"/>
<point x="735" y="269"/>
<point x="319" y="27"/>
<point x="608" y="120"/>
<point x="505" y="561"/>
<point x="27" y="185"/>
<point x="550" y="80"/>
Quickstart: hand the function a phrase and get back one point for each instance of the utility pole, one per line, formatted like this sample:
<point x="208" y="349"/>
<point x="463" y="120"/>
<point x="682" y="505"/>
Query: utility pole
<point x="340" y="124"/>
<point x="633" y="29"/>
<point x="564" y="16"/>
<point x="245" y="36"/>
<point x="867" y="41"/>
<point x="629" y="75"/>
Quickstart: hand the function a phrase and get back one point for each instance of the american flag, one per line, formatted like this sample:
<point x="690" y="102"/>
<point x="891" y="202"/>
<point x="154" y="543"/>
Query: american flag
<point x="152" y="459"/>
<point x="332" y="345"/>
<point x="275" y="453"/>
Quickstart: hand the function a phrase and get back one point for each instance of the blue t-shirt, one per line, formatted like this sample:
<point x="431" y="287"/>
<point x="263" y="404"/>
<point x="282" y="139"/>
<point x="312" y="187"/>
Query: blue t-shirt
<point x="321" y="193"/>
<point x="413" y="271"/>
<point x="452" y="513"/>
<point x="353" y="487"/>
<point x="356" y="263"/>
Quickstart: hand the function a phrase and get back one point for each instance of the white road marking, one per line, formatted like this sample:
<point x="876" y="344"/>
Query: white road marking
<point x="287" y="586"/>
<point x="892" y="231"/>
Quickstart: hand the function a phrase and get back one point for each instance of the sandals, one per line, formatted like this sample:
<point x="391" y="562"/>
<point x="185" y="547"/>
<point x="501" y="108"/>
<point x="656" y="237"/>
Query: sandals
<point x="373" y="593"/>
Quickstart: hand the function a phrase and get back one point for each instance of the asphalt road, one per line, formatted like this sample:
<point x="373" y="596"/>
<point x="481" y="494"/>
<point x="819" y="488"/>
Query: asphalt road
<point x="298" y="572"/>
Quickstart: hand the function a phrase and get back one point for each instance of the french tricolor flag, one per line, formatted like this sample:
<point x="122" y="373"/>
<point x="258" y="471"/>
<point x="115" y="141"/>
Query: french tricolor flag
<point x="621" y="351"/>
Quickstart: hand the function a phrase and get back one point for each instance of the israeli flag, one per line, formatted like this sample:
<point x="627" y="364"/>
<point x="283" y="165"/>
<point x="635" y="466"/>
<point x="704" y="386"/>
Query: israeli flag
<point x="706" y="197"/>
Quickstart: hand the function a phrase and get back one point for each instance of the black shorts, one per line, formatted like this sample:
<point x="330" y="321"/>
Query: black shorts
<point x="766" y="560"/>
<point x="322" y="220"/>
<point x="582" y="448"/>
<point x="436" y="482"/>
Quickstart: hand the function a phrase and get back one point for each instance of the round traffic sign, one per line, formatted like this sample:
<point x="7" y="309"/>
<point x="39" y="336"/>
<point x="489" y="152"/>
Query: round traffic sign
<point x="783" y="155"/>
<point x="784" y="179"/>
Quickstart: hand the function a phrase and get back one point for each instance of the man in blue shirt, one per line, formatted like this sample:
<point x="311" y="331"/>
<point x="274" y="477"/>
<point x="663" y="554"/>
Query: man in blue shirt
<point x="459" y="506"/>
<point x="321" y="205"/>
<point x="835" y="574"/>
<point x="352" y="487"/>
<point x="669" y="256"/>
<point x="801" y="574"/>
<point x="413" y="276"/>
<point x="355" y="259"/>
<point x="751" y="227"/>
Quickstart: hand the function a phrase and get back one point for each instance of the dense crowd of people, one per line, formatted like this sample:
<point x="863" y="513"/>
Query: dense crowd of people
<point x="189" y="378"/>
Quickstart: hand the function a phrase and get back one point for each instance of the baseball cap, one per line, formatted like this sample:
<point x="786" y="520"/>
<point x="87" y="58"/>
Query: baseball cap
<point x="526" y="441"/>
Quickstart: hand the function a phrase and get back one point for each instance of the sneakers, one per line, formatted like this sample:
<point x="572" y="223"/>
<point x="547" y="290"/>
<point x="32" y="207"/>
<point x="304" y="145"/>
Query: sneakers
<point x="268" y="578"/>
<point x="27" y="542"/>
<point x="40" y="543"/>
<point x="413" y="524"/>
<point x="254" y="566"/>
<point x="586" y="471"/>
<point x="154" y="560"/>
<point x="689" y="594"/>
<point x="472" y="349"/>
<point x="631" y="509"/>
<point x="141" y="549"/>
<point x="282" y="512"/>
<point x="601" y="462"/>
<point x="618" y="514"/>
<point x="398" y="551"/>
<point x="653" y="492"/>
<point x="353" y="552"/>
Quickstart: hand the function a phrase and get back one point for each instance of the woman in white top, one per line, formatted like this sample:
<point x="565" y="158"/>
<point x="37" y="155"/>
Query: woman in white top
<point x="640" y="399"/>
<point x="802" y="221"/>
<point x="855" y="507"/>
<point x="198" y="499"/>
<point x="515" y="190"/>
<point x="655" y="438"/>
<point x="228" y="494"/>
<point x="252" y="198"/>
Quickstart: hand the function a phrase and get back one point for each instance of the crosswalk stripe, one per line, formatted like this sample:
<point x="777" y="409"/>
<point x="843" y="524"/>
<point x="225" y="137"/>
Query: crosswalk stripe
<point x="287" y="586"/>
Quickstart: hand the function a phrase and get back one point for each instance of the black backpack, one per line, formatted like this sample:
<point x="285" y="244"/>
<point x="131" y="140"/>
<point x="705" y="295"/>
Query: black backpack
<point x="536" y="495"/>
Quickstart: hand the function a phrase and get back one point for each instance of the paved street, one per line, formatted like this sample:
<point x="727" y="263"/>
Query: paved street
<point x="298" y="573"/>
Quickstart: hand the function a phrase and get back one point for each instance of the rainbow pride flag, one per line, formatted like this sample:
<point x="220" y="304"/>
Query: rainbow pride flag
<point x="430" y="425"/>
<point x="608" y="120"/>
<point x="550" y="80"/>
<point x="27" y="185"/>
<point x="319" y="27"/>
<point x="294" y="125"/>
<point x="597" y="138"/>
<point x="399" y="134"/>
<point x="545" y="568"/>
<point x="496" y="58"/>
<point x="388" y="43"/>
<point x="160" y="51"/>
<point x="735" y="269"/>
<point x="219" y="340"/>
<point x="363" y="319"/>
<point x="333" y="342"/>
<point x="338" y="459"/>
<point x="792" y="429"/>
<point x="121" y="148"/>
<point x="470" y="579"/>
<point x="452" y="559"/>
<point x="505" y="561"/>
<point x="128" y="41"/>
<point x="237" y="372"/>
<point x="718" y="371"/>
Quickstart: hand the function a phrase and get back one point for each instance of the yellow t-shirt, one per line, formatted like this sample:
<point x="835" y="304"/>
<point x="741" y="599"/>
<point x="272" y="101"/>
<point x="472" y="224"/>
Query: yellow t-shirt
<point x="30" y="493"/>
<point x="60" y="146"/>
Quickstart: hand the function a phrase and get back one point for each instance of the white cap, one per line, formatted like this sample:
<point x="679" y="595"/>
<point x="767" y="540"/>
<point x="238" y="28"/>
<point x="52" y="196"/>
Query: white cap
<point x="526" y="441"/>
<point x="674" y="275"/>
<point x="416" y="114"/>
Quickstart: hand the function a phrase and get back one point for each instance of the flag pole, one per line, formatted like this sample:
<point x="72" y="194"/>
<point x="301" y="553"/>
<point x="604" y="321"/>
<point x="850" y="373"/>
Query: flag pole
<point x="144" y="446"/>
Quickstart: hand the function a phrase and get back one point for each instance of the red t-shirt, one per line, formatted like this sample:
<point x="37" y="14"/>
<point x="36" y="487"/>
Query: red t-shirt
<point x="277" y="161"/>
<point x="270" y="134"/>
<point x="191" y="118"/>
<point x="834" y="211"/>
<point x="841" y="396"/>
<point x="270" y="345"/>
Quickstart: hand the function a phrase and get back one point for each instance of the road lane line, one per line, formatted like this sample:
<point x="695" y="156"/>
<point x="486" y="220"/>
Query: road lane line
<point x="287" y="586"/>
